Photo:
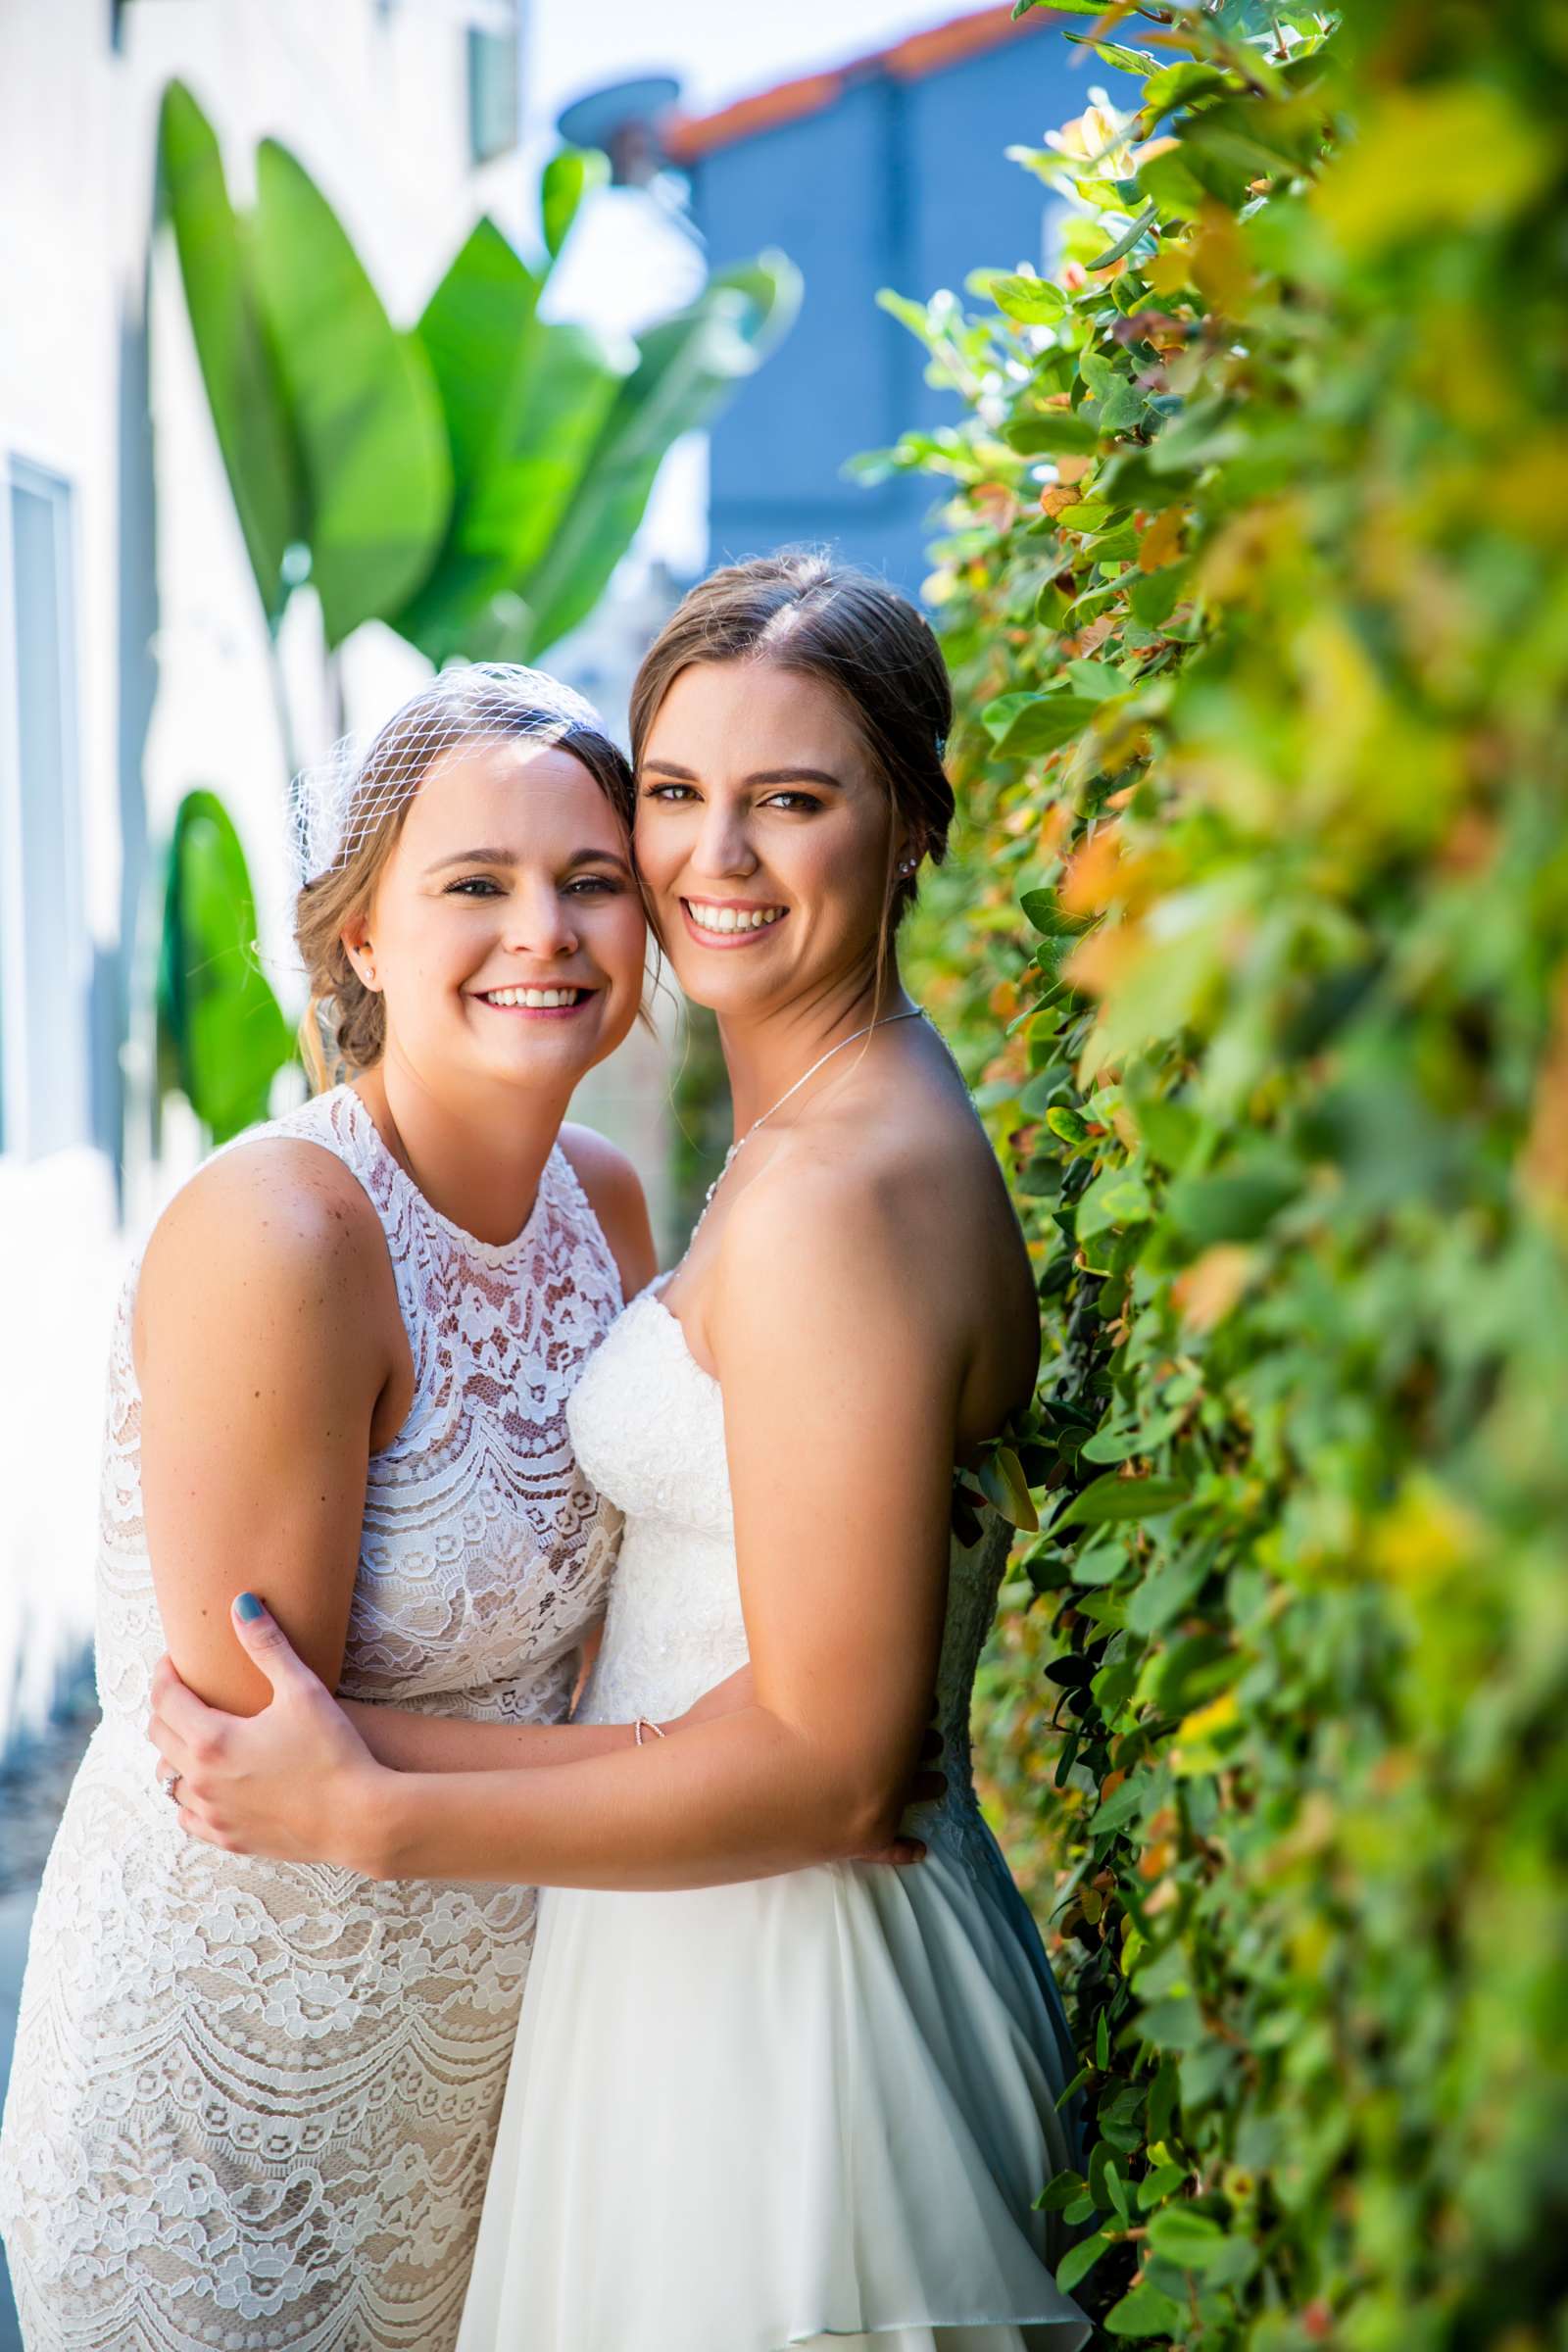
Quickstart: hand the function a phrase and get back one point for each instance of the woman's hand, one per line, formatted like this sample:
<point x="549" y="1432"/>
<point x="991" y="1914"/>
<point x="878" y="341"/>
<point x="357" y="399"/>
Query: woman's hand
<point x="295" y="1783"/>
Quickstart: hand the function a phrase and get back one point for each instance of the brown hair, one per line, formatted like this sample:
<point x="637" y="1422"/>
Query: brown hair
<point x="802" y="611"/>
<point x="344" y="1029"/>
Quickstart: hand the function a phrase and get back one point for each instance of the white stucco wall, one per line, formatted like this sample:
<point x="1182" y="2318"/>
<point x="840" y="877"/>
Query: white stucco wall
<point x="371" y="95"/>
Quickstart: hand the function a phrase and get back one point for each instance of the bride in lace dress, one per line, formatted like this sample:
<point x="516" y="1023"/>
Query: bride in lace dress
<point x="252" y="2103"/>
<point x="761" y="2099"/>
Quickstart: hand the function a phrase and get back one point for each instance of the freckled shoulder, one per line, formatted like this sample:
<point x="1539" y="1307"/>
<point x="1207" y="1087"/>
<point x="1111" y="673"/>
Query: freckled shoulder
<point x="282" y="1217"/>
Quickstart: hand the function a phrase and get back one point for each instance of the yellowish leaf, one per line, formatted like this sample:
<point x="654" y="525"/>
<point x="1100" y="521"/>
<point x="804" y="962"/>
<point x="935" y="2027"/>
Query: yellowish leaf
<point x="1203" y="1722"/>
<point x="1206" y="1290"/>
<point x="1456" y="155"/>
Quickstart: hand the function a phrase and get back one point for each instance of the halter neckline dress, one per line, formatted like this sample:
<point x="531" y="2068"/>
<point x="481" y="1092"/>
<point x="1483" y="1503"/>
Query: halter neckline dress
<point x="252" y="2103"/>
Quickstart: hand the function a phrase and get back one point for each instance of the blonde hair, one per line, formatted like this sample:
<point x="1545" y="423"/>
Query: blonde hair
<point x="344" y="1029"/>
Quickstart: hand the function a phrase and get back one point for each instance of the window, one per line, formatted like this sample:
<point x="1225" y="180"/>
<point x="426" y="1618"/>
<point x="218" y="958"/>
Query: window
<point x="45" y="955"/>
<point x="494" y="83"/>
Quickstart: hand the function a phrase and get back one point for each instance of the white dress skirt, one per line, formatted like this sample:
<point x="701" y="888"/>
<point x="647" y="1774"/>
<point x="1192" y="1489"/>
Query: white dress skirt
<point x="804" y="2111"/>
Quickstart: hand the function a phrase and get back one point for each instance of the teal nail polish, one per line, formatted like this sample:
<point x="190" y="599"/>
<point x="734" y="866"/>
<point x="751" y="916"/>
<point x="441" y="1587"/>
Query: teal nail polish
<point x="247" y="1606"/>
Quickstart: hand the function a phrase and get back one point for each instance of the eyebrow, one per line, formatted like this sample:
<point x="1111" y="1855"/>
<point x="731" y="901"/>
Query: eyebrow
<point x="494" y="857"/>
<point x="760" y="775"/>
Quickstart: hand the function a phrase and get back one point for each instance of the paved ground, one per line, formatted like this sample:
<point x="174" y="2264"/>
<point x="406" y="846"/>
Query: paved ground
<point x="16" y="1911"/>
<point x="33" y="1789"/>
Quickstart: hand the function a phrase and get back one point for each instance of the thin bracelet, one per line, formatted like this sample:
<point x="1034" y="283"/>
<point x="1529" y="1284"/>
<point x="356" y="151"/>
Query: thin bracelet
<point x="641" y="1725"/>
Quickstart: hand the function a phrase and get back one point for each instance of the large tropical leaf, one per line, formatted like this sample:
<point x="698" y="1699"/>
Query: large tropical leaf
<point x="686" y="366"/>
<point x="571" y="174"/>
<point x="371" y="435"/>
<point x="472" y="328"/>
<point x="222" y="1036"/>
<point x="524" y="403"/>
<point x="244" y="392"/>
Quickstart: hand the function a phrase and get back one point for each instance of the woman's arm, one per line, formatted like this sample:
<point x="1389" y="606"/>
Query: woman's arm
<point x="840" y="1397"/>
<point x="264" y="1324"/>
<point x="411" y="1743"/>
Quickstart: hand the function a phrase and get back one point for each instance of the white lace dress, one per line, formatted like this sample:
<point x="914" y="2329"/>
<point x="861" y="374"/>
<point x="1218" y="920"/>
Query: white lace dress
<point x="252" y="2103"/>
<point x="812" y="2110"/>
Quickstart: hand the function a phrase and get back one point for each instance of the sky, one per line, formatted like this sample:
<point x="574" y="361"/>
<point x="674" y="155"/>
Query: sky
<point x="716" y="49"/>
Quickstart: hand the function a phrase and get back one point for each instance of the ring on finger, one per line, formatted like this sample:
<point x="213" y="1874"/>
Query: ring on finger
<point x="171" y="1786"/>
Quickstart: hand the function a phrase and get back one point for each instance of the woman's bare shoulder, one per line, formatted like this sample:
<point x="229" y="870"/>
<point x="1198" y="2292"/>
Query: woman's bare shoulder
<point x="280" y="1208"/>
<point x="903" y="1223"/>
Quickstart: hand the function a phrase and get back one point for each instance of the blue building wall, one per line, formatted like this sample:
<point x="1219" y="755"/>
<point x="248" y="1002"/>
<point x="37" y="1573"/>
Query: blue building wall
<point x="903" y="184"/>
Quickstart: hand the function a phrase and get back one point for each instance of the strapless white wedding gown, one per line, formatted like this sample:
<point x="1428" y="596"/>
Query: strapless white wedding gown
<point x="793" y="2112"/>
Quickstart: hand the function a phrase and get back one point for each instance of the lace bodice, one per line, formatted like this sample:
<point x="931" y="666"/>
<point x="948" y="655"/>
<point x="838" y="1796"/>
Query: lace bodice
<point x="478" y="1570"/>
<point x="648" y="1424"/>
<point x="253" y="2102"/>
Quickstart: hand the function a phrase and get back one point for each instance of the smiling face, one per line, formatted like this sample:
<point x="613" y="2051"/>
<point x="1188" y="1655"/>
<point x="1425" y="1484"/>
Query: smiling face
<point x="506" y="932"/>
<point x="764" y="838"/>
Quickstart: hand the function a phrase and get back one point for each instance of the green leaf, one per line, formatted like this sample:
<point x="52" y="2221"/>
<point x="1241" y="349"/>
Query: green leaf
<point x="373" y="439"/>
<point x="1007" y="1488"/>
<point x="1165" y="1591"/>
<point x="1175" y="2025"/>
<point x="1042" y="907"/>
<point x="1033" y="301"/>
<point x="1163" y="2182"/>
<point x="1234" y="1206"/>
<point x="1113" y="1497"/>
<point x="1080" y="2260"/>
<point x="1125" y="243"/>
<point x="1102" y="2178"/>
<point x="1123" y="1805"/>
<point x="1070" y="1125"/>
<point x="245" y="392"/>
<point x="1172" y="185"/>
<point x="473" y="330"/>
<point x="1059" y="2191"/>
<point x="571" y="174"/>
<point x="1052" y="432"/>
<point x="525" y="404"/>
<point x="1169" y="1129"/>
<point x="1117" y="1197"/>
<point x="1040" y="722"/>
<point x="222" y="1037"/>
<point x="1191" y="2241"/>
<point x="1110" y="1446"/>
<point x="1146" y="2311"/>
<point x="687" y="367"/>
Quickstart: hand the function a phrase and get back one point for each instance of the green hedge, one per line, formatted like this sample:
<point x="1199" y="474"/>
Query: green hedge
<point x="1255" y="949"/>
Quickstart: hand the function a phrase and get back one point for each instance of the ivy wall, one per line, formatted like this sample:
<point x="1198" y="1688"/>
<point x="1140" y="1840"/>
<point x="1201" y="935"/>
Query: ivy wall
<point x="1255" y="949"/>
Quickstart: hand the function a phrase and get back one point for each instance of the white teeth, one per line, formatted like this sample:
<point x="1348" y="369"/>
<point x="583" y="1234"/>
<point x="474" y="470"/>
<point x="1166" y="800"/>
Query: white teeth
<point x="536" y="999"/>
<point x="732" y="918"/>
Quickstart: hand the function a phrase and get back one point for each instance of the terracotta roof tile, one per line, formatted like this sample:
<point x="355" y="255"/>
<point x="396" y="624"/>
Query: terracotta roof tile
<point x="688" y="137"/>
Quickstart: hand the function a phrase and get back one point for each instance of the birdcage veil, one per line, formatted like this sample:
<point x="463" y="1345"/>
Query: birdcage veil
<point x="335" y="805"/>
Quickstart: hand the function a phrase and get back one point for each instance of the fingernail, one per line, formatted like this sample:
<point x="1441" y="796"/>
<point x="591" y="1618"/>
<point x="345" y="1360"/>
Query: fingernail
<point x="248" y="1607"/>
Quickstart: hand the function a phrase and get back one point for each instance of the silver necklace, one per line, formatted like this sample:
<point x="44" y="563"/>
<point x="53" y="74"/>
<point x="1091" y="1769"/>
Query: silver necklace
<point x="886" y="1022"/>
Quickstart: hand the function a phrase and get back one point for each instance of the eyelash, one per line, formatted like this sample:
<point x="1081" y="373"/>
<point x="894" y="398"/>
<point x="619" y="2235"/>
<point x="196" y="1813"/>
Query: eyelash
<point x="802" y="802"/>
<point x="589" y="885"/>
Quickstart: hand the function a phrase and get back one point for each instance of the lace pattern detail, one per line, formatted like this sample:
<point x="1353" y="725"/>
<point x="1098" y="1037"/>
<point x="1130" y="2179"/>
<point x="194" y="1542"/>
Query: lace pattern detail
<point x="253" y="2104"/>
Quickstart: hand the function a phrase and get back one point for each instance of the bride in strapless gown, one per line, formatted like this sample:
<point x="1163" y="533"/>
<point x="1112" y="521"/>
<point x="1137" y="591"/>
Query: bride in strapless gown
<point x="841" y="2081"/>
